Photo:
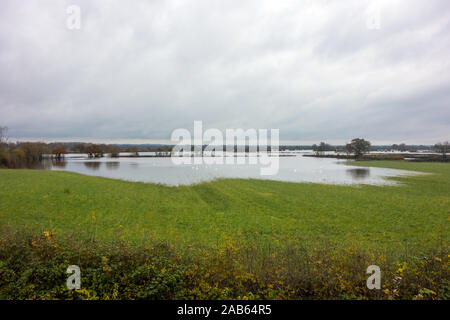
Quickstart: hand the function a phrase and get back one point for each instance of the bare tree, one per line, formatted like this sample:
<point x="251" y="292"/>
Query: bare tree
<point x="321" y="148"/>
<point x="114" y="150"/>
<point x="442" y="147"/>
<point x="3" y="134"/>
<point x="134" y="150"/>
<point x="94" y="151"/>
<point x="59" y="152"/>
<point x="79" y="147"/>
<point x="3" y="139"/>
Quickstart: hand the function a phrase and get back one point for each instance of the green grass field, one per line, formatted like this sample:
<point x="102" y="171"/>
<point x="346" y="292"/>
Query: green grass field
<point x="228" y="239"/>
<point x="255" y="211"/>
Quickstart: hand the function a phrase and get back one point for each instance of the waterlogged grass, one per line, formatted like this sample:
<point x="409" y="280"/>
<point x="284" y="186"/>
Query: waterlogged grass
<point x="227" y="239"/>
<point x="413" y="216"/>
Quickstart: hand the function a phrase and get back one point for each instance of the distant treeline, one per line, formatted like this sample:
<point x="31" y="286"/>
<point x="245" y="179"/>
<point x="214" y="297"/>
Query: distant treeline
<point x="341" y="148"/>
<point x="27" y="154"/>
<point x="357" y="148"/>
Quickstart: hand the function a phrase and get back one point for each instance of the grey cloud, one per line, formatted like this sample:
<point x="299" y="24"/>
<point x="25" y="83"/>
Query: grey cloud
<point x="140" y="69"/>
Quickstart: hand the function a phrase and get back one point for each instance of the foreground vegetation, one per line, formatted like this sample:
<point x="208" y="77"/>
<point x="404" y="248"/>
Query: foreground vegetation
<point x="224" y="239"/>
<point x="33" y="267"/>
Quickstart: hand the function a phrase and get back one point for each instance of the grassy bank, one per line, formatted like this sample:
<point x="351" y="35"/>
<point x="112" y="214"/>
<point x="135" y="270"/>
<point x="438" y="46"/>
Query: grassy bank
<point x="229" y="229"/>
<point x="257" y="211"/>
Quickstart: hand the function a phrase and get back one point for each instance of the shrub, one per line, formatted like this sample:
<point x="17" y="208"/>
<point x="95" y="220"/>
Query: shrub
<point x="34" y="267"/>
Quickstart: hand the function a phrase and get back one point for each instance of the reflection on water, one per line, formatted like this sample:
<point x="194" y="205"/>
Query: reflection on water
<point x="48" y="164"/>
<point x="92" y="165"/>
<point x="59" y="163"/>
<point x="358" y="173"/>
<point x="134" y="165"/>
<point x="113" y="165"/>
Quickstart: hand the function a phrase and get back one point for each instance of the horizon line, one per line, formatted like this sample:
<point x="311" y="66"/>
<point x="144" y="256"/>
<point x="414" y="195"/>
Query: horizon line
<point x="137" y="141"/>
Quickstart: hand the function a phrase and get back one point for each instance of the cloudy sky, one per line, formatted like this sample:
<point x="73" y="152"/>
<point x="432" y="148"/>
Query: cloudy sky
<point x="136" y="70"/>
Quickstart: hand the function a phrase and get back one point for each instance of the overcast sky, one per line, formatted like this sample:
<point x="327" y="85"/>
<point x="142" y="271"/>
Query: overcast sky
<point x="316" y="70"/>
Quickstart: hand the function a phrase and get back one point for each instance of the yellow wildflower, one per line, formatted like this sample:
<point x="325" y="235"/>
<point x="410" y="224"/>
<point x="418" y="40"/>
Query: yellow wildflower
<point x="48" y="234"/>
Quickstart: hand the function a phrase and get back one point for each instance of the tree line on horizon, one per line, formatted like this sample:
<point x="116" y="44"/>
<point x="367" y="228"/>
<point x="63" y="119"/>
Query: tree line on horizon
<point x="25" y="154"/>
<point x="357" y="147"/>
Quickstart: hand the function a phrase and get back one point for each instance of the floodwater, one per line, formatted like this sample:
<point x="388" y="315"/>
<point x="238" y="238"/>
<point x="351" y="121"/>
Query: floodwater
<point x="293" y="168"/>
